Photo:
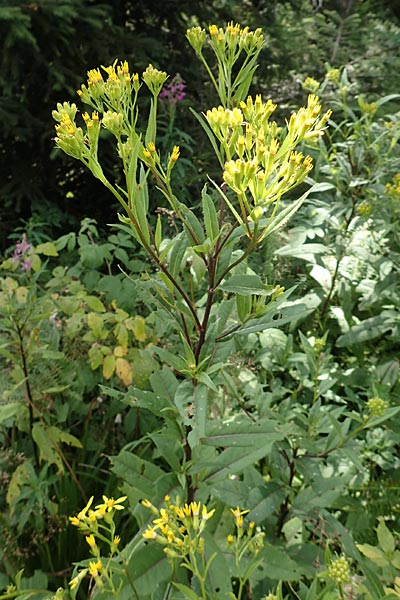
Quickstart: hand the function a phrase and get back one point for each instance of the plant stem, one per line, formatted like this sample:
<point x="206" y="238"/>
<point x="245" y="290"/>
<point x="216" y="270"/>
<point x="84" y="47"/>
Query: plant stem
<point x="28" y="390"/>
<point x="153" y="254"/>
<point x="284" y="509"/>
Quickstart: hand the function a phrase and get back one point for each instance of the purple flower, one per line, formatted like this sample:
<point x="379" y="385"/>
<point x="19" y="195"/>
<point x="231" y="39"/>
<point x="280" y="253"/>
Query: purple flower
<point x="26" y="265"/>
<point x="173" y="91"/>
<point x="21" y="254"/>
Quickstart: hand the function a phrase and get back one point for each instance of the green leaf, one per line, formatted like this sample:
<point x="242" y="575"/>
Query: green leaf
<point x="275" y="563"/>
<point x="177" y="253"/>
<point x="132" y="168"/>
<point x="375" y="554"/>
<point x="95" y="304"/>
<point x="244" y="306"/>
<point x="8" y="412"/>
<point x="47" y="248"/>
<point x="20" y="477"/>
<point x="200" y="400"/>
<point x="377" y="420"/>
<point x="137" y="472"/>
<point x="232" y="460"/>
<point x="373" y="583"/>
<point x="176" y="362"/>
<point x="186" y="591"/>
<point x="276" y="314"/>
<point x="158" y="233"/>
<point x="385" y="538"/>
<point x="241" y="432"/>
<point x="369" y="329"/>
<point x="210" y="135"/>
<point x="245" y="285"/>
<point x="152" y="123"/>
<point x="48" y="440"/>
<point x="150" y="570"/>
<point x="210" y="215"/>
<point x="285" y="215"/>
<point x="140" y="205"/>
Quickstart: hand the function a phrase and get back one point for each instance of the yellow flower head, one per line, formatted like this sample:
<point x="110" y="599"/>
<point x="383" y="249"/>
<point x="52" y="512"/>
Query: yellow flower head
<point x="238" y="514"/>
<point x="111" y="504"/>
<point x="175" y="153"/>
<point x="164" y="517"/>
<point x="146" y="503"/>
<point x="81" y="516"/>
<point x="150" y="534"/>
<point x="123" y="68"/>
<point x="195" y="507"/>
<point x="76" y="580"/>
<point x="91" y="540"/>
<point x="94" y="77"/>
<point x="205" y="514"/>
<point x="95" y="568"/>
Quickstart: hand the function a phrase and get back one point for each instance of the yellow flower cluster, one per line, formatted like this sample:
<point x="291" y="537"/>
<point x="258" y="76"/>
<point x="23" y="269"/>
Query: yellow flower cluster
<point x="87" y="522"/>
<point x="112" y="92"/>
<point x="69" y="137"/>
<point x="245" y="540"/>
<point x="87" y="517"/>
<point x="178" y="528"/>
<point x="118" y="83"/>
<point x="392" y="188"/>
<point x="229" y="40"/>
<point x="268" y="164"/>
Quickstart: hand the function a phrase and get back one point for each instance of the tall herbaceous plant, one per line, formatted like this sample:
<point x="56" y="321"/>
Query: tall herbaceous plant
<point x="206" y="293"/>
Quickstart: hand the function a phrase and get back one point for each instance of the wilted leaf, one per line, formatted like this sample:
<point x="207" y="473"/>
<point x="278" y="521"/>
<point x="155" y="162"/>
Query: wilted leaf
<point x="123" y="371"/>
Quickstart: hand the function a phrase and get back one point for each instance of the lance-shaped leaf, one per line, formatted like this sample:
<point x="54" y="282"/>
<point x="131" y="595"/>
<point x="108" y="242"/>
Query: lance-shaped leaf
<point x="241" y="432"/>
<point x="246" y="285"/>
<point x="210" y="215"/>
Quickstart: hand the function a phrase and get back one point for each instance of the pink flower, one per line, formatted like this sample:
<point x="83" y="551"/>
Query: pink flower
<point x="173" y="91"/>
<point x="21" y="254"/>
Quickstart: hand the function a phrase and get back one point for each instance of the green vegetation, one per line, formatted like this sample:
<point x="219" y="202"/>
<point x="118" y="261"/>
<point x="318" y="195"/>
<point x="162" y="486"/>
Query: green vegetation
<point x="198" y="370"/>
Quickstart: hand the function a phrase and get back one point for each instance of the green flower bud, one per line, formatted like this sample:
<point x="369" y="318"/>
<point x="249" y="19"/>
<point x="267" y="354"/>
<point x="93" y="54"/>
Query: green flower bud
<point x="196" y="37"/>
<point x="154" y="79"/>
<point x="339" y="570"/>
<point x="377" y="407"/>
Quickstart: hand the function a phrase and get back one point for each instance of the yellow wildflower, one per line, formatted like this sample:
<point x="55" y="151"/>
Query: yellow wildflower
<point x="94" y="76"/>
<point x="150" y="534"/>
<point x="76" y="580"/>
<point x="91" y="540"/>
<point x="175" y="153"/>
<point x="95" y="568"/>
<point x="81" y="516"/>
<point x="111" y="504"/>
<point x="195" y="508"/>
<point x="238" y="514"/>
<point x="205" y="515"/>
<point x="163" y="517"/>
